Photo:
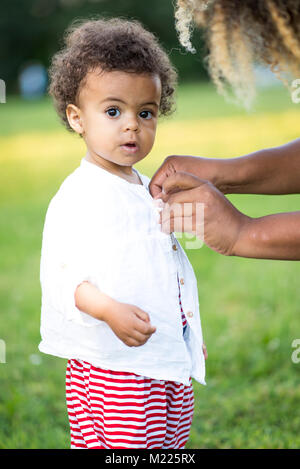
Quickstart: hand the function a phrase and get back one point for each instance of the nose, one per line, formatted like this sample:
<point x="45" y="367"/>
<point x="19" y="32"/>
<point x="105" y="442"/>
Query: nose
<point x="131" y="123"/>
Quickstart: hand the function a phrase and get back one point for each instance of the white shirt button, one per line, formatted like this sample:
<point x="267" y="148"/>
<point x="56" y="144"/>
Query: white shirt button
<point x="190" y="314"/>
<point x="182" y="281"/>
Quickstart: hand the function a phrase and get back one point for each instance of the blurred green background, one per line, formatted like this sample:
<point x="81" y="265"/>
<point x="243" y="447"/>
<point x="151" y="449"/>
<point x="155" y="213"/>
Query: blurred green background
<point x="32" y="30"/>
<point x="249" y="308"/>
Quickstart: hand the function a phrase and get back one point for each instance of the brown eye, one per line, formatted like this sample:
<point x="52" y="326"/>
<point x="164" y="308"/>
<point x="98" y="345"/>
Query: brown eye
<point x="113" y="112"/>
<point x="146" y="114"/>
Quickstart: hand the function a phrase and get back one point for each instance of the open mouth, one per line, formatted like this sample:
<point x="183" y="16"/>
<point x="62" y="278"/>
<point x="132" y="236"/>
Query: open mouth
<point x="130" y="146"/>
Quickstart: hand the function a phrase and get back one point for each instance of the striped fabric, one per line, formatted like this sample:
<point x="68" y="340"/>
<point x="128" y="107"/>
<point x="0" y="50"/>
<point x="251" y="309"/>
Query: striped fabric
<point x="116" y="409"/>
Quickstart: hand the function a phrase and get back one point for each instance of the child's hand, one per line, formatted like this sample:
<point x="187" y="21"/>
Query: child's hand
<point x="130" y="323"/>
<point x="204" y="351"/>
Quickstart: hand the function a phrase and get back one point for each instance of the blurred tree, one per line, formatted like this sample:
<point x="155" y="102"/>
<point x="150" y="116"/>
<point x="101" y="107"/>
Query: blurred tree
<point x="31" y="30"/>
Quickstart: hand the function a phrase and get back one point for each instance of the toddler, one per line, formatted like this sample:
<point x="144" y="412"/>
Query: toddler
<point x="119" y="296"/>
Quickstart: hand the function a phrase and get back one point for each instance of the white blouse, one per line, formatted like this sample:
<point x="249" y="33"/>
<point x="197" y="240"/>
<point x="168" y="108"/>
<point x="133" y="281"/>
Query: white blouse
<point x="103" y="229"/>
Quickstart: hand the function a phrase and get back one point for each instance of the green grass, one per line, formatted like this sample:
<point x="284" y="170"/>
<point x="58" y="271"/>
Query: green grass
<point x="249" y="308"/>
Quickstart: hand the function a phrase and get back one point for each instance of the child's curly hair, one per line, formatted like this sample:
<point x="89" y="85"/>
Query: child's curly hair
<point x="112" y="44"/>
<point x="241" y="32"/>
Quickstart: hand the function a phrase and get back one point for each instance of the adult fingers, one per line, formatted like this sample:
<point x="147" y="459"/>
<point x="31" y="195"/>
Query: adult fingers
<point x="176" y="209"/>
<point x="187" y="188"/>
<point x="179" y="225"/>
<point x="177" y="183"/>
<point x="180" y="181"/>
<point x="185" y="203"/>
<point x="163" y="172"/>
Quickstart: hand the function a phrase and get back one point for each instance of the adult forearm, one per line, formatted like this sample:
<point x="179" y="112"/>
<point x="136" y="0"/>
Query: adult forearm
<point x="92" y="301"/>
<point x="270" y="237"/>
<point x="271" y="171"/>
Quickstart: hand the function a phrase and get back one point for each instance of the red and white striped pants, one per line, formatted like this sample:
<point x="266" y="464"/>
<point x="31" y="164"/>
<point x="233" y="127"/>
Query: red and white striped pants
<point x="113" y="409"/>
<point x="116" y="409"/>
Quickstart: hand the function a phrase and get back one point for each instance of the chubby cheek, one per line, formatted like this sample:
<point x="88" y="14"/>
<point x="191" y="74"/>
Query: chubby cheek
<point x="98" y="135"/>
<point x="101" y="144"/>
<point x="149" y="138"/>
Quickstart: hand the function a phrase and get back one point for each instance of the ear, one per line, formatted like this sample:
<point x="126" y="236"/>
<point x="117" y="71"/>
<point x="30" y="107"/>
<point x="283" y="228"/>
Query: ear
<point x="74" y="118"/>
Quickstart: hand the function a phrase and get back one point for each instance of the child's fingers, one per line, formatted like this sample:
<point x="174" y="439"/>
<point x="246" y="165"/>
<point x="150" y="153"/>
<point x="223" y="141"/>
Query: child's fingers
<point x="141" y="314"/>
<point x="144" y="317"/>
<point x="144" y="326"/>
<point x="139" y="338"/>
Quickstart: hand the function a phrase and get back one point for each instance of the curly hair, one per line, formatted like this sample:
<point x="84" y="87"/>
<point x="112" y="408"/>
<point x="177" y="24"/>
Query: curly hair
<point x="111" y="44"/>
<point x="240" y="33"/>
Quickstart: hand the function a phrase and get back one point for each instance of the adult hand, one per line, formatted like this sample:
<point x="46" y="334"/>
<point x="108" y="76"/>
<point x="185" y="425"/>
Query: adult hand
<point x="210" y="169"/>
<point x="223" y="223"/>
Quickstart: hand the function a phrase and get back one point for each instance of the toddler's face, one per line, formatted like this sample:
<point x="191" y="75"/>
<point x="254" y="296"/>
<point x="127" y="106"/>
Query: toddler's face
<point x="117" y="116"/>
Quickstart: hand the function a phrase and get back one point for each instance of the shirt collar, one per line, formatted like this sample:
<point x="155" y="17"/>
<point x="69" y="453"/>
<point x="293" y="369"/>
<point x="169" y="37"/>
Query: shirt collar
<point x="117" y="179"/>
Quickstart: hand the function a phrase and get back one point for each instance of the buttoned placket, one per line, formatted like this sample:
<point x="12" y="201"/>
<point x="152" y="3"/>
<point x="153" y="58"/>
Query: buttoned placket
<point x="173" y="241"/>
<point x="189" y="315"/>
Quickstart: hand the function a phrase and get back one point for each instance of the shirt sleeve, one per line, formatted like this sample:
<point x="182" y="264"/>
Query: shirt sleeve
<point x="67" y="256"/>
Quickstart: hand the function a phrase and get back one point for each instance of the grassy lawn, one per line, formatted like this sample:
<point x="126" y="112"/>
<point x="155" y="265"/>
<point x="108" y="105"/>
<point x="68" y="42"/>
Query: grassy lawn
<point x="249" y="308"/>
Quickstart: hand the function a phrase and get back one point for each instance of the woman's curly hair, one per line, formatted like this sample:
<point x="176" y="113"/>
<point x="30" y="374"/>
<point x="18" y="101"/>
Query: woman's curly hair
<point x="240" y="33"/>
<point x="111" y="44"/>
